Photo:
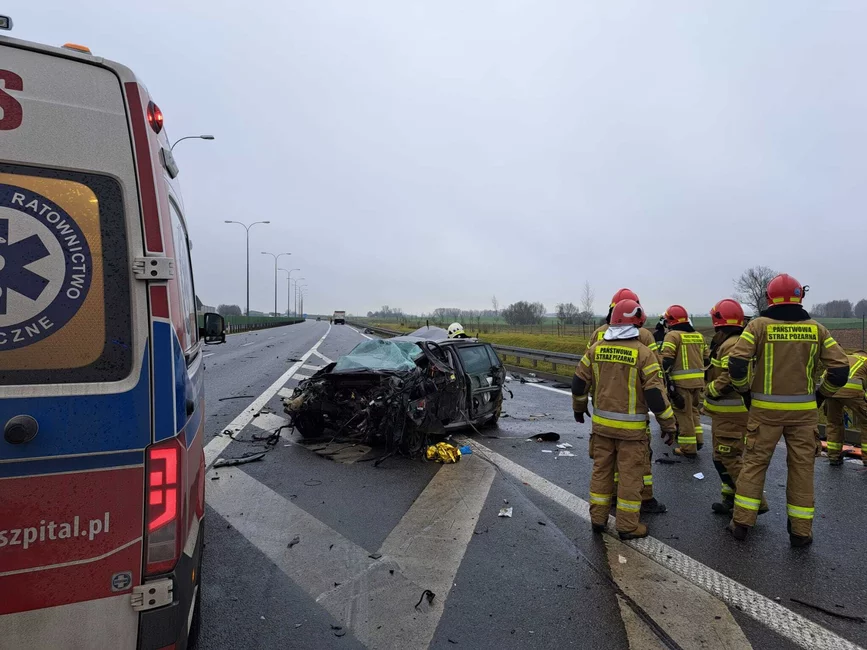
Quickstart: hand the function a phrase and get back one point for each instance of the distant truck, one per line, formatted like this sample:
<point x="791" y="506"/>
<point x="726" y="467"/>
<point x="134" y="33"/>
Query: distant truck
<point x="339" y="317"/>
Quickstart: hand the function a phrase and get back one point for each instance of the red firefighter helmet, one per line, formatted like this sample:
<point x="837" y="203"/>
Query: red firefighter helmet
<point x="785" y="290"/>
<point x="727" y="312"/>
<point x="623" y="294"/>
<point x="628" y="312"/>
<point x="675" y="315"/>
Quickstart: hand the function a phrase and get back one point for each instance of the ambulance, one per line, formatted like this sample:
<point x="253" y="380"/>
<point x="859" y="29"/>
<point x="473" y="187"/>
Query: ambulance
<point x="101" y="398"/>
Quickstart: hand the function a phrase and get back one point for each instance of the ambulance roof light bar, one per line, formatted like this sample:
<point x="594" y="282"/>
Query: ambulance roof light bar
<point x="5" y="22"/>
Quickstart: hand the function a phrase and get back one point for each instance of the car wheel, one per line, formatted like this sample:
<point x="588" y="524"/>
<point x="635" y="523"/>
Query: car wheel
<point x="412" y="442"/>
<point x="496" y="416"/>
<point x="309" y="425"/>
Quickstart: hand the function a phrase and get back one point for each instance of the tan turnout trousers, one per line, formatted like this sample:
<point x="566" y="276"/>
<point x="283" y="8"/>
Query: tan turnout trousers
<point x="689" y="420"/>
<point x="802" y="447"/>
<point x="630" y="456"/>
<point x="834" y="430"/>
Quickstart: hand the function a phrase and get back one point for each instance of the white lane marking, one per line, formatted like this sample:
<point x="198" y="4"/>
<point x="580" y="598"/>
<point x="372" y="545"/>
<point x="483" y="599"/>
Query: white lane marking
<point x="214" y="448"/>
<point x="555" y="390"/>
<point x="424" y="551"/>
<point x="786" y="623"/>
<point x="269" y="521"/>
<point x="428" y="545"/>
<point x="244" y="345"/>
<point x="301" y="377"/>
<point x="310" y="366"/>
<point x="323" y="357"/>
<point x="72" y="562"/>
<point x="270" y="422"/>
<point x="361" y="333"/>
<point x="285" y="392"/>
<point x="207" y="354"/>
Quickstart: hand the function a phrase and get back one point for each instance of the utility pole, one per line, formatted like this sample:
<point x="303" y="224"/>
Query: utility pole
<point x="247" y="228"/>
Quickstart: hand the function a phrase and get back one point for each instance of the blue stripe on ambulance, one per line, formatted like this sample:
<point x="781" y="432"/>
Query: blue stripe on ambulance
<point x="83" y="424"/>
<point x="164" y="381"/>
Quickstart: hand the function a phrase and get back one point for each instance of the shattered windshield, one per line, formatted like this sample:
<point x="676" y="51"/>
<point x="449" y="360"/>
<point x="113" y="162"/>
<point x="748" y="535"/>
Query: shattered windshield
<point x="378" y="354"/>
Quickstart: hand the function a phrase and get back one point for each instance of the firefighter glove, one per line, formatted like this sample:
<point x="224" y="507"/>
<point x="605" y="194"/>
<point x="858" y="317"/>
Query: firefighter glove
<point x="579" y="416"/>
<point x="820" y="398"/>
<point x="676" y="399"/>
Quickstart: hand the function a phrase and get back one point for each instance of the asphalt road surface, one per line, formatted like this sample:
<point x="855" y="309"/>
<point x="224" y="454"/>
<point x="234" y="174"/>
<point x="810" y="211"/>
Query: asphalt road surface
<point x="303" y="551"/>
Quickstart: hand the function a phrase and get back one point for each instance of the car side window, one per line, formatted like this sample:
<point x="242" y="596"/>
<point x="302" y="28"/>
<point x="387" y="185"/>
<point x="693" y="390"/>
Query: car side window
<point x="475" y="359"/>
<point x="492" y="355"/>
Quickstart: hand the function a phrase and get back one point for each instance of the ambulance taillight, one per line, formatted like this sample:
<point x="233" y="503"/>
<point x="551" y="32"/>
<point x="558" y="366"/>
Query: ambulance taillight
<point x="164" y="506"/>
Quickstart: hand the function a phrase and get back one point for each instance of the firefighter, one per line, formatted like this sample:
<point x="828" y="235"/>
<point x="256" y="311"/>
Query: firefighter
<point x="626" y="380"/>
<point x="728" y="409"/>
<point x="684" y="358"/>
<point x="786" y="345"/>
<point x="853" y="397"/>
<point x="456" y="331"/>
<point x="649" y="503"/>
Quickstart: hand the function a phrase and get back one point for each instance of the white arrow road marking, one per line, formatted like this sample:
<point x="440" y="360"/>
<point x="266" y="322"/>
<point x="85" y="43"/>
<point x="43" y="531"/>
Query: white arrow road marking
<point x="270" y="422"/>
<point x="219" y="443"/>
<point x="797" y="629"/>
<point x="310" y="366"/>
<point x="424" y="551"/>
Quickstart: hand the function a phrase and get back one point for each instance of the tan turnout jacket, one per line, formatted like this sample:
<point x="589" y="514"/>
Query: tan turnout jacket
<point x="618" y="373"/>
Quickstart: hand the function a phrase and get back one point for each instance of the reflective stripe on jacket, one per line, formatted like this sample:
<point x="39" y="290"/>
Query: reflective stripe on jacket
<point x="689" y="351"/>
<point x="618" y="373"/>
<point x="857" y="377"/>
<point x="783" y="383"/>
<point x="721" y="399"/>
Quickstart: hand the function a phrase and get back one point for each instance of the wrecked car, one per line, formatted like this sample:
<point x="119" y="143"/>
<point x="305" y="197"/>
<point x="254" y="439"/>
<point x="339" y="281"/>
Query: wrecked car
<point x="401" y="392"/>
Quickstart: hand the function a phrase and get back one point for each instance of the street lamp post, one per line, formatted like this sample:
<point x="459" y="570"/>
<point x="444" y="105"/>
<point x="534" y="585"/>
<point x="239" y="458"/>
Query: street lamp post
<point x="295" y="309"/>
<point x="192" y="137"/>
<point x="247" y="228"/>
<point x="298" y="295"/>
<point x="289" y="290"/>
<point x="276" y="257"/>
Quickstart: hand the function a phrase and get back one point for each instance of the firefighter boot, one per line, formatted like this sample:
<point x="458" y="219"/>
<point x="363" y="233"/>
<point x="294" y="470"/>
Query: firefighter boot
<point x="680" y="452"/>
<point x="738" y="531"/>
<point x="835" y="462"/>
<point x="652" y="506"/>
<point x="725" y="506"/>
<point x="639" y="532"/>
<point x="798" y="541"/>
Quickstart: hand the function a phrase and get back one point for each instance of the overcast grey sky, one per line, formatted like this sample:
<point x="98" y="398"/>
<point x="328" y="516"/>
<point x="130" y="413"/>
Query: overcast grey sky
<point x="425" y="154"/>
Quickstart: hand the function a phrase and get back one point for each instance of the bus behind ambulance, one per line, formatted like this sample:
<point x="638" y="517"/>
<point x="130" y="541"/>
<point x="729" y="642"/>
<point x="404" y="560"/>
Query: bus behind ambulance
<point x="101" y="397"/>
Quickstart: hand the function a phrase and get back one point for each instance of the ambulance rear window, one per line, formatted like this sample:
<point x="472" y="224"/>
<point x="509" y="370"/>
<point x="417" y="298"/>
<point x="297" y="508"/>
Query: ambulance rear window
<point x="64" y="278"/>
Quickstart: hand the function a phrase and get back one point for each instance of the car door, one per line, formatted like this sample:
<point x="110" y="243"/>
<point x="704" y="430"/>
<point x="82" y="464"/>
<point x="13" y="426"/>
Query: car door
<point x="484" y="378"/>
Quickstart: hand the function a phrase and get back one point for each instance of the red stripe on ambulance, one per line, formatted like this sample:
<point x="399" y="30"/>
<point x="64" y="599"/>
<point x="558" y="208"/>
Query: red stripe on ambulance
<point x="78" y="520"/>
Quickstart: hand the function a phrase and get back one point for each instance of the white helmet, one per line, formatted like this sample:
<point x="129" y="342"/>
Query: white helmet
<point x="456" y="330"/>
